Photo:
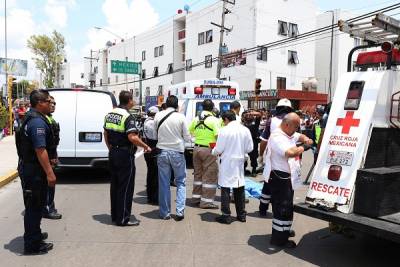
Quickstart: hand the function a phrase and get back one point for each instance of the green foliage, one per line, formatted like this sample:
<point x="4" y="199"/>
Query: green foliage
<point x="3" y="116"/>
<point x="49" y="52"/>
<point x="20" y="89"/>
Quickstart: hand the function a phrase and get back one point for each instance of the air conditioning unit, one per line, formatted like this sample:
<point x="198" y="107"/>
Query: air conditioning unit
<point x="310" y="84"/>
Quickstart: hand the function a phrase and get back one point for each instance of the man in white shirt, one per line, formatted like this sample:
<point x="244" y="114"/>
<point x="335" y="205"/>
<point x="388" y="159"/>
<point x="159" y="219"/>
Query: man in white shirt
<point x="283" y="160"/>
<point x="172" y="132"/>
<point x="233" y="143"/>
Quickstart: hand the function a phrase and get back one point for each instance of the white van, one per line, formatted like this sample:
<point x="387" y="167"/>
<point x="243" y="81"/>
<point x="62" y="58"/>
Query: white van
<point x="80" y="113"/>
<point x="191" y="94"/>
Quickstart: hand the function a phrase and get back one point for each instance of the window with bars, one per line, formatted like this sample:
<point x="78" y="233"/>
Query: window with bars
<point x="293" y="30"/>
<point x="101" y="82"/>
<point x="156" y="51"/>
<point x="143" y="55"/>
<point x="170" y="68"/>
<point x="188" y="64"/>
<point x="147" y="91"/>
<point x="201" y="39"/>
<point x="262" y="53"/>
<point x="208" y="61"/>
<point x="161" y="51"/>
<point x="143" y="74"/>
<point x="282" y="28"/>
<point x="160" y="90"/>
<point x="293" y="58"/>
<point x="155" y="72"/>
<point x="280" y="83"/>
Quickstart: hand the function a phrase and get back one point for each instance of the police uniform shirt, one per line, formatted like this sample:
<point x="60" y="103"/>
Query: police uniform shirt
<point x="279" y="143"/>
<point x="38" y="132"/>
<point x="116" y="137"/>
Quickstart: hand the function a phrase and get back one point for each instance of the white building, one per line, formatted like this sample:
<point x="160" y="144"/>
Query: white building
<point x="62" y="79"/>
<point x="189" y="38"/>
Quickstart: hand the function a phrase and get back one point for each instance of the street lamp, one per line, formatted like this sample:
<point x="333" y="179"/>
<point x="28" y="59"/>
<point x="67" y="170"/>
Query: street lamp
<point x="122" y="40"/>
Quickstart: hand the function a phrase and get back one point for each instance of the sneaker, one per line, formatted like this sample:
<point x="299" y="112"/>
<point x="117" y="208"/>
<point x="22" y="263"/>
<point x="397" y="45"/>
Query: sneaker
<point x="179" y="218"/>
<point x="209" y="206"/>
<point x="166" y="218"/>
<point x="43" y="248"/>
<point x="224" y="219"/>
<point x="52" y="216"/>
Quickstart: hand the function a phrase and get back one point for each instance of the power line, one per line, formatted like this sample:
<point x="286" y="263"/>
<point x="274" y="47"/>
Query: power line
<point x="279" y="43"/>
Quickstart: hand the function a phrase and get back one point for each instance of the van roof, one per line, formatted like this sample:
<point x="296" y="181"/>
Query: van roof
<point x="114" y="101"/>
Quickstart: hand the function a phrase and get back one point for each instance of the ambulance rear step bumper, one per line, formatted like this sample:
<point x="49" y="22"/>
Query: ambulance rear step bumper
<point x="83" y="163"/>
<point x="386" y="227"/>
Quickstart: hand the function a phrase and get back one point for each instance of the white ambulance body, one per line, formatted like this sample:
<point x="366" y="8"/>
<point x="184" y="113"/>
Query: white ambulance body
<point x="81" y="113"/>
<point x="356" y="179"/>
<point x="191" y="94"/>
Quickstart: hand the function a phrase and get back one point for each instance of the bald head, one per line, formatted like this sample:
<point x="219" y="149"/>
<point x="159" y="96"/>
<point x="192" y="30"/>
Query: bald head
<point x="290" y="123"/>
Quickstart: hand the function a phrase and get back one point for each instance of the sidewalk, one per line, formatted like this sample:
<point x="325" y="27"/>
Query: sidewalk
<point x="8" y="160"/>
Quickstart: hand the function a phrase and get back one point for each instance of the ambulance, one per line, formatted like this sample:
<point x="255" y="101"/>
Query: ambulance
<point x="191" y="94"/>
<point x="356" y="179"/>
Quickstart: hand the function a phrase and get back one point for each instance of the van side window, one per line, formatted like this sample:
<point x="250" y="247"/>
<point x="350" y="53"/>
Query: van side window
<point x="354" y="95"/>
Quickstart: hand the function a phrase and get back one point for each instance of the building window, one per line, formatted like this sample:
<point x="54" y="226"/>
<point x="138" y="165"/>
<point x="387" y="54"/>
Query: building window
<point x="161" y="51"/>
<point x="96" y="69"/>
<point x="62" y="77"/>
<point x="293" y="30"/>
<point x="160" y="90"/>
<point x="188" y="64"/>
<point x="280" y="83"/>
<point x="155" y="72"/>
<point x="201" y="38"/>
<point x="101" y="82"/>
<point x="147" y="91"/>
<point x="209" y="36"/>
<point x="108" y="80"/>
<point x="137" y="93"/>
<point x="208" y="61"/>
<point x="292" y="57"/>
<point x="143" y="55"/>
<point x="282" y="28"/>
<point x="170" y="68"/>
<point x="262" y="53"/>
<point x="143" y="74"/>
<point x="116" y="78"/>
<point x="156" y="51"/>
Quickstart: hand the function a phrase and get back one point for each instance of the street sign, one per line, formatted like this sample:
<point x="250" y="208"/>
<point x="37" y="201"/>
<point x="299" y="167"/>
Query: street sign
<point x="127" y="67"/>
<point x="16" y="67"/>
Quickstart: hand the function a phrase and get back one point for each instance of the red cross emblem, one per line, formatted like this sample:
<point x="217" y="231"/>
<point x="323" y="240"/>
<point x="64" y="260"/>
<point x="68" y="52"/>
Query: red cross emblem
<point x="332" y="154"/>
<point x="348" y="122"/>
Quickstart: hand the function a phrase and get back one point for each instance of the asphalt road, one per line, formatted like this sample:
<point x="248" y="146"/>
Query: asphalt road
<point x="86" y="237"/>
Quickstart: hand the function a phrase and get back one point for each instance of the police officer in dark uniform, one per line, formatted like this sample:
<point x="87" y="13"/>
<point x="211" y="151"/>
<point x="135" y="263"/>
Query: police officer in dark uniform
<point x="33" y="142"/>
<point x="121" y="137"/>
<point x="50" y="211"/>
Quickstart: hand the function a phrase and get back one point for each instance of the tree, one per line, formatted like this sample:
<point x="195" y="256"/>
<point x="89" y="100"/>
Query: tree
<point x="49" y="52"/>
<point x="20" y="89"/>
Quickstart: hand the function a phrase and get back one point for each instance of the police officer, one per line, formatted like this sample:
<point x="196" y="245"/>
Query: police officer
<point x="33" y="142"/>
<point x="205" y="128"/>
<point x="122" y="139"/>
<point x="283" y="107"/>
<point x="50" y="211"/>
<point x="150" y="138"/>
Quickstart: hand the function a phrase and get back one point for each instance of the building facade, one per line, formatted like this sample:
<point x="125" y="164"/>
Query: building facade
<point x="186" y="48"/>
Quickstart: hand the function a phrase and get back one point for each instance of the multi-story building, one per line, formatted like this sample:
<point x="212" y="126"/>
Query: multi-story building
<point x="184" y="48"/>
<point x="62" y="79"/>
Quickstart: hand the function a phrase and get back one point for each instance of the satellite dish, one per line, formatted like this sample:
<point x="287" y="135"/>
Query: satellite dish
<point x="186" y="8"/>
<point x="109" y="44"/>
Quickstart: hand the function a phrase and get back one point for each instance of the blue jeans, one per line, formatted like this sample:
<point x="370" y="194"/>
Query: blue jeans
<point x="171" y="161"/>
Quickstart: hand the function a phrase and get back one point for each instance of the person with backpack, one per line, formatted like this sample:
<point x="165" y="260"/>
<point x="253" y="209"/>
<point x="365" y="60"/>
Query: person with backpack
<point x="205" y="128"/>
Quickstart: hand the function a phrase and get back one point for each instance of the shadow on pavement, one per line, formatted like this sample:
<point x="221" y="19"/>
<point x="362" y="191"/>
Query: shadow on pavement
<point x="154" y="214"/>
<point x="261" y="242"/>
<point x="142" y="193"/>
<point x="16" y="245"/>
<point x="103" y="218"/>
<point x="82" y="176"/>
<point x="208" y="216"/>
<point x="140" y="200"/>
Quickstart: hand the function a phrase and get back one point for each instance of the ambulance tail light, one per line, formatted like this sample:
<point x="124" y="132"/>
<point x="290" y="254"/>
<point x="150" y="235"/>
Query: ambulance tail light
<point x="232" y="91"/>
<point x="198" y="90"/>
<point x="334" y="172"/>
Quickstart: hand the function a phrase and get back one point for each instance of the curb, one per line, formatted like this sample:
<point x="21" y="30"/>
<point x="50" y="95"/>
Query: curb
<point x="8" y="178"/>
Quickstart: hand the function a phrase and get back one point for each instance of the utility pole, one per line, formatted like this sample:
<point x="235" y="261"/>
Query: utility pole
<point x="92" y="75"/>
<point x="5" y="41"/>
<point x="221" y="35"/>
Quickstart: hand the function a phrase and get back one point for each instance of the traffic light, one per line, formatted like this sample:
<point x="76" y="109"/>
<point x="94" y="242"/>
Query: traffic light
<point x="257" y="86"/>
